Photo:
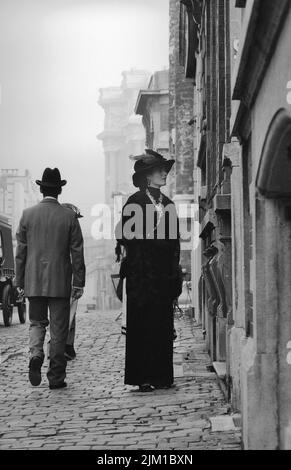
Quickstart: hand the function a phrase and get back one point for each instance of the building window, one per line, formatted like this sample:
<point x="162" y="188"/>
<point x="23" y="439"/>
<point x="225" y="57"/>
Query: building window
<point x="164" y="117"/>
<point x="240" y="3"/>
<point x="182" y="35"/>
<point x="247" y="172"/>
<point x="1" y="249"/>
<point x="151" y="134"/>
<point x="203" y="173"/>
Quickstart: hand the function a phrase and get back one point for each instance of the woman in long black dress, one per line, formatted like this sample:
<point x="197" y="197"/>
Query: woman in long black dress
<point x="152" y="266"/>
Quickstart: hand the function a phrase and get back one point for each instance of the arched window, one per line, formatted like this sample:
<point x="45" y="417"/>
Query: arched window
<point x="274" y="173"/>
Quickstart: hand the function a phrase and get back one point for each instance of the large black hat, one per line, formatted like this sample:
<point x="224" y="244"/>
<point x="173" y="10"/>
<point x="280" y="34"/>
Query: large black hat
<point x="148" y="161"/>
<point x="51" y="178"/>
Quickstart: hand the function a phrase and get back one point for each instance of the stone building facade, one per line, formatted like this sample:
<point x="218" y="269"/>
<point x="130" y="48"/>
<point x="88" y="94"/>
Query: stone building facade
<point x="235" y="51"/>
<point x="260" y="340"/>
<point x="213" y="158"/>
<point x="181" y="139"/>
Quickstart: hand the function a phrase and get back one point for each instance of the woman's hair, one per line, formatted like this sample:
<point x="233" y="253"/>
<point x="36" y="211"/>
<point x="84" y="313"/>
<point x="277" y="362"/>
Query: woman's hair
<point x="143" y="180"/>
<point x="143" y="184"/>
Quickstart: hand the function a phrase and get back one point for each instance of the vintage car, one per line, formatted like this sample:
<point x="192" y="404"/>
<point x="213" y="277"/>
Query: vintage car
<point x="9" y="296"/>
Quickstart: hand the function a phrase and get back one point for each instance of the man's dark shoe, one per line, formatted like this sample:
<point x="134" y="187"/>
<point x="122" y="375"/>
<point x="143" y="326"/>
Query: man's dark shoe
<point x="57" y="386"/>
<point x="35" y="364"/>
<point x="70" y="352"/>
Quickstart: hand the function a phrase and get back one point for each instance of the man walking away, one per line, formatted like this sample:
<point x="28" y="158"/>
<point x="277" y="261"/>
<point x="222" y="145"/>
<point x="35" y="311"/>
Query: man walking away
<point x="49" y="260"/>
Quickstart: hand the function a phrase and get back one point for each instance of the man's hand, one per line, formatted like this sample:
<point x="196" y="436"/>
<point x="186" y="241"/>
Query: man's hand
<point x="77" y="292"/>
<point x="20" y="294"/>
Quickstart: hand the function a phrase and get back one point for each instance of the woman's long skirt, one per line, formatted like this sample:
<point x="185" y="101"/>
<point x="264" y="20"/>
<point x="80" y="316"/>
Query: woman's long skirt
<point x="149" y="342"/>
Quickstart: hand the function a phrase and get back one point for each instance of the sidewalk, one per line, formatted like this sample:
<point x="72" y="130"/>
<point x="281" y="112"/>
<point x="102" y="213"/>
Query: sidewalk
<point x="97" y="411"/>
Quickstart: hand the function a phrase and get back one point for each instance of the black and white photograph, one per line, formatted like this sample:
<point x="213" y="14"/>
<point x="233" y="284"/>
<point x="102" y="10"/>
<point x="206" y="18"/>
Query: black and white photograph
<point x="145" y="229"/>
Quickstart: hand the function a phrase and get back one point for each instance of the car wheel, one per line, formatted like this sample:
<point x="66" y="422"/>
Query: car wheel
<point x="22" y="312"/>
<point x="7" y="306"/>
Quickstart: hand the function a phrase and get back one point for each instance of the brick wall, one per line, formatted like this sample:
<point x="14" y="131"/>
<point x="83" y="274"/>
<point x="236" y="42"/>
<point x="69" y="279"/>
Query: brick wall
<point x="181" y="111"/>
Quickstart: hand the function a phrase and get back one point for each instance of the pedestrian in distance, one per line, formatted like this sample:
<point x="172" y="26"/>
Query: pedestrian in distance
<point x="49" y="261"/>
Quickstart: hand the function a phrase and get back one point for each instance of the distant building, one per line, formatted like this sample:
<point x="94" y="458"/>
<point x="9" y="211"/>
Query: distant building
<point x="17" y="192"/>
<point x="123" y="133"/>
<point x="153" y="105"/>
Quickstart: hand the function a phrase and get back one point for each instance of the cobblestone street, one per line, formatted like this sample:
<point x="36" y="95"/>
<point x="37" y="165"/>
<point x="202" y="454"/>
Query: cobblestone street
<point x="97" y="411"/>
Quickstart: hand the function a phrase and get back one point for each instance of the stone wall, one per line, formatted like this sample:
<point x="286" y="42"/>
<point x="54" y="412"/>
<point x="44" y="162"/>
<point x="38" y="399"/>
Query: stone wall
<point x="181" y="93"/>
<point x="181" y="110"/>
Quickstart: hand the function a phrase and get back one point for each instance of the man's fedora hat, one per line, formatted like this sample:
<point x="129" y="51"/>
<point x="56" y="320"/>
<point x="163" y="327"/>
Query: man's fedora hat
<point x="148" y="161"/>
<point x="51" y="178"/>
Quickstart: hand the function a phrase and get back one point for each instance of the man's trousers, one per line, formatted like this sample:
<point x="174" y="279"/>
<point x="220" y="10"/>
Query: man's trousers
<point x="59" y="315"/>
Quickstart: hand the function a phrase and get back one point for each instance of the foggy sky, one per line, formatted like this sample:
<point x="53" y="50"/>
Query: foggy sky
<point x="54" y="56"/>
